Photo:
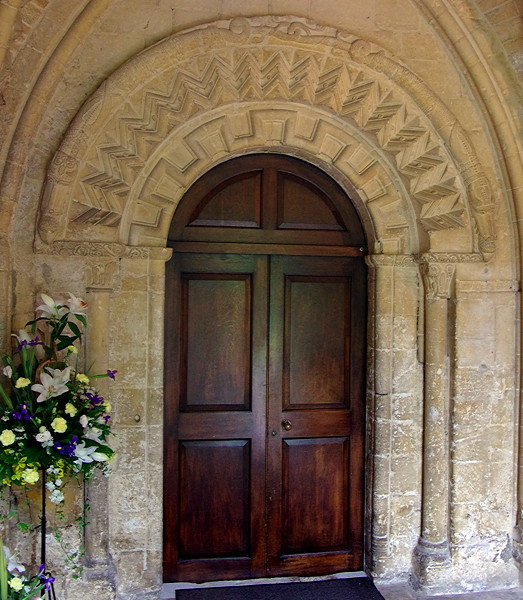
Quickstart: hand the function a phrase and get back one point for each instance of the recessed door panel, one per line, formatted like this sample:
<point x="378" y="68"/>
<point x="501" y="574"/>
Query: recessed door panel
<point x="315" y="516"/>
<point x="216" y="333"/>
<point x="317" y="331"/>
<point x="215" y="499"/>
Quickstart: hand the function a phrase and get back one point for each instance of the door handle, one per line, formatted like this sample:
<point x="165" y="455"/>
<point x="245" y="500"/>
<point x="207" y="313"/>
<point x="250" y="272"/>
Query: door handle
<point x="286" y="424"/>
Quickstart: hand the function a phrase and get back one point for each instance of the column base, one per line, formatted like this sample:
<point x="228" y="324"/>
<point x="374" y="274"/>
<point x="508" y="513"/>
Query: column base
<point x="517" y="548"/>
<point x="430" y="563"/>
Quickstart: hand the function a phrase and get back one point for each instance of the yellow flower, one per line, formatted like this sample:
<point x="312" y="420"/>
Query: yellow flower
<point x="82" y="378"/>
<point x="59" y="465"/>
<point x="22" y="382"/>
<point x="59" y="425"/>
<point x="30" y="475"/>
<point x="17" y="469"/>
<point x="107" y="406"/>
<point x="7" y="437"/>
<point x="16" y="583"/>
<point x="70" y="409"/>
<point x="72" y="349"/>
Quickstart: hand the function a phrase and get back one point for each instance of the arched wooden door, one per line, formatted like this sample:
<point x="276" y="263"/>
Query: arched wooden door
<point x="264" y="376"/>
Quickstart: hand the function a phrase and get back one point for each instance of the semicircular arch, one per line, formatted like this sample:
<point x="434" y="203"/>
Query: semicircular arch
<point x="267" y="84"/>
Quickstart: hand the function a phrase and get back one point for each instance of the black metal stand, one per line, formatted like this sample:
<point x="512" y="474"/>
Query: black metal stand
<point x="49" y="593"/>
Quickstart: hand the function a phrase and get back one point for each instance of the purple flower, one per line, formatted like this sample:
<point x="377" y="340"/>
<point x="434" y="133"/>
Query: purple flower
<point x="47" y="580"/>
<point x="32" y="343"/>
<point x="66" y="448"/>
<point x="22" y="414"/>
<point x="94" y="399"/>
<point x="111" y="374"/>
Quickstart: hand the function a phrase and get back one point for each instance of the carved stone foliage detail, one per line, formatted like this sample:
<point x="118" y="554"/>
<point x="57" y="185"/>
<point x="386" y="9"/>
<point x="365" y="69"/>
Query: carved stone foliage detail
<point x="122" y="130"/>
<point x="437" y="279"/>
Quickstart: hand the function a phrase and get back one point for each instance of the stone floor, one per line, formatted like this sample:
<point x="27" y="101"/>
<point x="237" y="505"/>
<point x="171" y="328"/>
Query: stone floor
<point x="388" y="591"/>
<point x="403" y="592"/>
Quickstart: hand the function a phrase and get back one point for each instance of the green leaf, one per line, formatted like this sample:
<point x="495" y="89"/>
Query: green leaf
<point x="6" y="399"/>
<point x="82" y="319"/>
<point x="75" y="329"/>
<point x="65" y="341"/>
<point x="3" y="572"/>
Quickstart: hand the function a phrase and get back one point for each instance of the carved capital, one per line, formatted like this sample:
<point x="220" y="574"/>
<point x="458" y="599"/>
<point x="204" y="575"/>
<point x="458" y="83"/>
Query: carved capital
<point x="101" y="275"/>
<point x="437" y="279"/>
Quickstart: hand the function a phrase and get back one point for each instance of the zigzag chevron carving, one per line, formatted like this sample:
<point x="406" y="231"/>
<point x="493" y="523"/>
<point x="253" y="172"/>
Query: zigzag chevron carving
<point x="279" y="67"/>
<point x="257" y="75"/>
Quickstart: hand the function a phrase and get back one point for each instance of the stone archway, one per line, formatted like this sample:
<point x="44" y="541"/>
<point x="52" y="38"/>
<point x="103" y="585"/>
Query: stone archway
<point x="286" y="85"/>
<point x="138" y="117"/>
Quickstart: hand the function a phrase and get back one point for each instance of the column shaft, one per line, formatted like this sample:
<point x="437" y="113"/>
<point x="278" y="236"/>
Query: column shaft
<point x="432" y="554"/>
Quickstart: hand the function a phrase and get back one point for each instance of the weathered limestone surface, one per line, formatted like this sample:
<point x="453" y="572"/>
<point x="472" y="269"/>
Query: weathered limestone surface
<point x="110" y="110"/>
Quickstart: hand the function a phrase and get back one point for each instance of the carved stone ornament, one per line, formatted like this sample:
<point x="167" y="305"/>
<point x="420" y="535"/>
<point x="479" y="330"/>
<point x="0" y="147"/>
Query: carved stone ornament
<point x="438" y="278"/>
<point x="118" y="179"/>
<point x="100" y="249"/>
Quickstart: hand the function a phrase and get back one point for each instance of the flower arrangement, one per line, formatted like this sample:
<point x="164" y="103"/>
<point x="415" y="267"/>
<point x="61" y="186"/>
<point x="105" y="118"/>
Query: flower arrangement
<point x="52" y="420"/>
<point x="14" y="582"/>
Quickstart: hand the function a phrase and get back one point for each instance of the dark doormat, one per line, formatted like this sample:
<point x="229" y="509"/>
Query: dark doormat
<point x="354" y="588"/>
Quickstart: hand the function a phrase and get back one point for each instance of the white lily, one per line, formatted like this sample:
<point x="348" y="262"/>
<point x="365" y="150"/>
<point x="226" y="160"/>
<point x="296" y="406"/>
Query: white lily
<point x="76" y="305"/>
<point x="50" y="386"/>
<point x="63" y="375"/>
<point x="84" y="453"/>
<point x="93" y="434"/>
<point x="88" y="454"/>
<point x="99" y="456"/>
<point x="12" y="562"/>
<point x="51" y="308"/>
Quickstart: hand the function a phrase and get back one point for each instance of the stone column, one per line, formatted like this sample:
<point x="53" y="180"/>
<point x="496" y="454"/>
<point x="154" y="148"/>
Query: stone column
<point x="100" y="285"/>
<point x="432" y="554"/>
<point x="381" y="311"/>
<point x="394" y="392"/>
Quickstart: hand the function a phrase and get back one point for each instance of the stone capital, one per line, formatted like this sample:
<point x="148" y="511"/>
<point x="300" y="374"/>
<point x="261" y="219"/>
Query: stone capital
<point x="437" y="279"/>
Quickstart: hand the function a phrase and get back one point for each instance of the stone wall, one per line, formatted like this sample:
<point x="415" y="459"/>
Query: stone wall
<point x="111" y="110"/>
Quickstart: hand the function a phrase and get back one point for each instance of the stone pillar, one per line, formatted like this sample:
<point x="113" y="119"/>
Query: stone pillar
<point x="394" y="401"/>
<point x="99" y="288"/>
<point x="432" y="554"/>
<point x="381" y="310"/>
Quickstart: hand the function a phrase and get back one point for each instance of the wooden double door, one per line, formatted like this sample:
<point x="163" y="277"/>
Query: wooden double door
<point x="265" y="438"/>
<point x="264" y="362"/>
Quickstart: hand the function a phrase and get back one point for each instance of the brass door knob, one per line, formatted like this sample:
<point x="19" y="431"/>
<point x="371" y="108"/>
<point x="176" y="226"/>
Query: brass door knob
<point x="286" y="424"/>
